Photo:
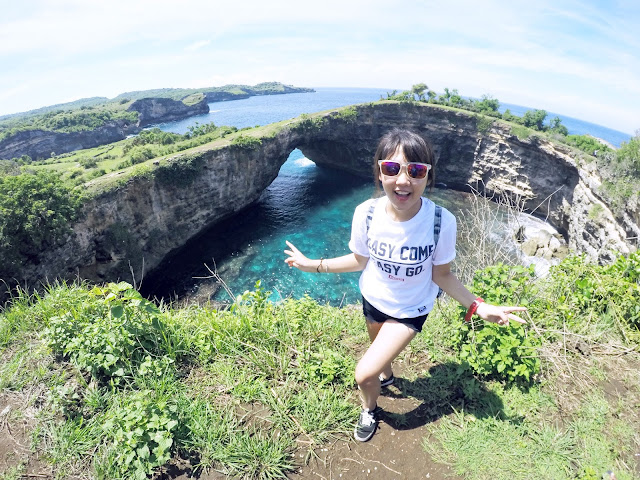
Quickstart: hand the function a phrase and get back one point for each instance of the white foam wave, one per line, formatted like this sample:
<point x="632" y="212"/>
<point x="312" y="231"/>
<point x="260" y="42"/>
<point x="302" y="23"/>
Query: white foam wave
<point x="303" y="162"/>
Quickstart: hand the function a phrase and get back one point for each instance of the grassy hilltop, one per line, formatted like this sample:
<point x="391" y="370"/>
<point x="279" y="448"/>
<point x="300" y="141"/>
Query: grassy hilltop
<point x="102" y="383"/>
<point x="98" y="382"/>
<point x="90" y="113"/>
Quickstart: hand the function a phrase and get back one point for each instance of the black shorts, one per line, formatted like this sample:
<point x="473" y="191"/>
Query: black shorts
<point x="371" y="313"/>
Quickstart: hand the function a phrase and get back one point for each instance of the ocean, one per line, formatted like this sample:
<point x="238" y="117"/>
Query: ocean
<point x="308" y="205"/>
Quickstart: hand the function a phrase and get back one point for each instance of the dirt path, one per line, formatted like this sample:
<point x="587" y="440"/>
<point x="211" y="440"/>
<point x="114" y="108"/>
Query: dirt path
<point x="16" y="423"/>
<point x="394" y="452"/>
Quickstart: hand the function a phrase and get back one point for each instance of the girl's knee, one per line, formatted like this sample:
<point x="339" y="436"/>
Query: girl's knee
<point x="365" y="374"/>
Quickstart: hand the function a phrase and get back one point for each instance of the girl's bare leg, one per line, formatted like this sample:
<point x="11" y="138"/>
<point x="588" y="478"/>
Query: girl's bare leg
<point x="385" y="347"/>
<point x="373" y="328"/>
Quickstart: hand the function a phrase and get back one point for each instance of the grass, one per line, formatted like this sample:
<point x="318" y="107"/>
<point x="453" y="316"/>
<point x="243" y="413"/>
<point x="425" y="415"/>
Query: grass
<point x="587" y="444"/>
<point x="250" y="390"/>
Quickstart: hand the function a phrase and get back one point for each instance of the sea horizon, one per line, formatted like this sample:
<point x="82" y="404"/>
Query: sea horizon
<point x="576" y="126"/>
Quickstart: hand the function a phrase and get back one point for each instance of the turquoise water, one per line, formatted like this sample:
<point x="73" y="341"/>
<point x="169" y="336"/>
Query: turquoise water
<point x="308" y="205"/>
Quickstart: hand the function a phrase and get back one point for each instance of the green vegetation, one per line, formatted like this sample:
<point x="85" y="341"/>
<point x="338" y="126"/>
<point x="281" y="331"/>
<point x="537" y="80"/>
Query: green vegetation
<point x="265" y="88"/>
<point x="246" y="142"/>
<point x="621" y="173"/>
<point x="91" y="113"/>
<point x="82" y="119"/>
<point x="81" y="166"/>
<point x="39" y="201"/>
<point x="36" y="213"/>
<point x="311" y="123"/>
<point x="125" y="385"/>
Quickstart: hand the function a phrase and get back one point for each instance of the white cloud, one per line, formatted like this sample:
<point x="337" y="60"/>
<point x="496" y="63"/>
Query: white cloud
<point x="568" y="56"/>
<point x="197" y="45"/>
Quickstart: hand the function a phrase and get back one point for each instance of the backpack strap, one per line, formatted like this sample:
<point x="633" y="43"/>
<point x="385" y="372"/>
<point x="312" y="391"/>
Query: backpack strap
<point x="372" y="207"/>
<point x="437" y="221"/>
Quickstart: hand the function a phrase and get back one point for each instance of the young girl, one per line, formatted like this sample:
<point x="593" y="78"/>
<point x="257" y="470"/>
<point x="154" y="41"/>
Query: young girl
<point x="404" y="245"/>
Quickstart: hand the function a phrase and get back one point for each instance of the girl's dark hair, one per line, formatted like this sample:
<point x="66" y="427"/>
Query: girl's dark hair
<point x="414" y="147"/>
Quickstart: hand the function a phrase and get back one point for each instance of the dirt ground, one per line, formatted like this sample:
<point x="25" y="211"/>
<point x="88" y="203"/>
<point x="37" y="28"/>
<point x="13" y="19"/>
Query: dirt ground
<point x="16" y="424"/>
<point x="395" y="451"/>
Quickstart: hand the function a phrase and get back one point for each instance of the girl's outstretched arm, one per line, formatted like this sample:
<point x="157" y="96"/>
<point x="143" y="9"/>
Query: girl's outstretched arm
<point x="348" y="263"/>
<point x="445" y="279"/>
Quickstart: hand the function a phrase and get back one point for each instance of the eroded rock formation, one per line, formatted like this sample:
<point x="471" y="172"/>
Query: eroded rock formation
<point x="42" y="143"/>
<point x="159" y="110"/>
<point x="139" y="223"/>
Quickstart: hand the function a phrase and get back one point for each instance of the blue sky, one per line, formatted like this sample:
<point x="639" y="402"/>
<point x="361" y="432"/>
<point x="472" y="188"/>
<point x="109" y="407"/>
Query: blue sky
<point x="576" y="58"/>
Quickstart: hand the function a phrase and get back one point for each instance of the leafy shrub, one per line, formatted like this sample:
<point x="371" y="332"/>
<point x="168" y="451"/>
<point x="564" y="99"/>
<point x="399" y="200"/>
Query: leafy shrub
<point x="141" y="154"/>
<point x="88" y="162"/>
<point x="587" y="144"/>
<point x="483" y="123"/>
<point x="522" y="133"/>
<point x="113" y="336"/>
<point x="503" y="352"/>
<point x="308" y="124"/>
<point x="198" y="130"/>
<point x="36" y="213"/>
<point x="583" y="292"/>
<point x="181" y="171"/>
<point x="349" y="114"/>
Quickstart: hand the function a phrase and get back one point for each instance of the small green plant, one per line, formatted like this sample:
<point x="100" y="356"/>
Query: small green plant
<point x="348" y="114"/>
<point x="505" y="352"/>
<point x="584" y="292"/>
<point x="308" y="124"/>
<point x="523" y="133"/>
<point x="595" y="211"/>
<point x="141" y="435"/>
<point x="327" y="366"/>
<point x="181" y="171"/>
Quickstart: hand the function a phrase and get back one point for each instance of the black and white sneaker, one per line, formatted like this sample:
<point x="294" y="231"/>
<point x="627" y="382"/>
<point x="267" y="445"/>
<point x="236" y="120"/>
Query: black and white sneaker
<point x="385" y="382"/>
<point x="367" y="424"/>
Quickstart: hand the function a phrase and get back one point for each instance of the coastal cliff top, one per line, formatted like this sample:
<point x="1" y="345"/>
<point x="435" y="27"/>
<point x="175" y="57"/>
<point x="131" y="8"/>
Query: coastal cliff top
<point x="90" y="113"/>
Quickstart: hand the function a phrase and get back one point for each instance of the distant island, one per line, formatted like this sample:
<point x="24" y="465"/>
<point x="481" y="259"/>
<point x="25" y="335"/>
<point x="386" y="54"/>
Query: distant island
<point x="90" y="122"/>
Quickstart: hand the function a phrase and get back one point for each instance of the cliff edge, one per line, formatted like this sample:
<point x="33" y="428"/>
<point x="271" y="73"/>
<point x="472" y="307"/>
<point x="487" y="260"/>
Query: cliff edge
<point x="139" y="216"/>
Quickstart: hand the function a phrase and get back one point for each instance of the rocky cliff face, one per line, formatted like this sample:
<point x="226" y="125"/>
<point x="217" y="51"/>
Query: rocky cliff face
<point x="41" y="143"/>
<point x="136" y="225"/>
<point x="158" y="110"/>
<point x="224" y="96"/>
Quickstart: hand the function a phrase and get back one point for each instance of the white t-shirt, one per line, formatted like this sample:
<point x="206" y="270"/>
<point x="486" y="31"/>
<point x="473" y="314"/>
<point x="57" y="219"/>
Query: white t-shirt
<point x="397" y="279"/>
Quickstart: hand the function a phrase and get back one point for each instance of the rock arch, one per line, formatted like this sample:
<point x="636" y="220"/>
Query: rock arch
<point x="147" y="216"/>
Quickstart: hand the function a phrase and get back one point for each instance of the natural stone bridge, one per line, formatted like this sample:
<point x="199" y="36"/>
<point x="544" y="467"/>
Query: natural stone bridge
<point x="138" y="223"/>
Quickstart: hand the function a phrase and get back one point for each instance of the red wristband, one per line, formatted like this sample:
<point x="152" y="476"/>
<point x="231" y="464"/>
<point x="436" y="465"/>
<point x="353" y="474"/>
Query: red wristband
<point x="472" y="309"/>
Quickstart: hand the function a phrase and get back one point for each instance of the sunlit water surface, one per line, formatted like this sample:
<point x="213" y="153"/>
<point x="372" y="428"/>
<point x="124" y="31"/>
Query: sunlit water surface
<point x="308" y="205"/>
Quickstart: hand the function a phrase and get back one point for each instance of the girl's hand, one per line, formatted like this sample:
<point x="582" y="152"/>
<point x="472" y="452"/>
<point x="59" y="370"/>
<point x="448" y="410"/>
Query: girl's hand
<point x="298" y="260"/>
<point x="498" y="314"/>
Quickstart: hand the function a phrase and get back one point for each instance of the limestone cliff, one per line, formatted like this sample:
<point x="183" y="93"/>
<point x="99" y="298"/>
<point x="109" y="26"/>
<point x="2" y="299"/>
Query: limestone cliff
<point x="41" y="143"/>
<point x="137" y="223"/>
<point x="159" y="110"/>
